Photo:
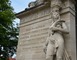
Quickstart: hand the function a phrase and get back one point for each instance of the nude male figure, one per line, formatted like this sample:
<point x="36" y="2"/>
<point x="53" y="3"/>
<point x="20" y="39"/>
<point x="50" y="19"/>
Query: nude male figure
<point x="55" y="42"/>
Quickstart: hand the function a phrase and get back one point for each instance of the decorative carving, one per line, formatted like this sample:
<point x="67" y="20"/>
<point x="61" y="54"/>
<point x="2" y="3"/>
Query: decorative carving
<point x="55" y="3"/>
<point x="54" y="46"/>
<point x="39" y="2"/>
<point x="32" y="4"/>
<point x="35" y="3"/>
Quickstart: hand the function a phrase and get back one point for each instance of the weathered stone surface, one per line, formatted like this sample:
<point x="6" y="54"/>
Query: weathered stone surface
<point x="34" y="29"/>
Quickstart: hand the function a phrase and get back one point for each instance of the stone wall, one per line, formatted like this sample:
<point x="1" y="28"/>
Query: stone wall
<point x="33" y="33"/>
<point x="34" y="28"/>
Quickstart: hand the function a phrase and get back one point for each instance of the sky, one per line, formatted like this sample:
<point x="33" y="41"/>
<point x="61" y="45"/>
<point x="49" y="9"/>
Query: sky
<point x="19" y="5"/>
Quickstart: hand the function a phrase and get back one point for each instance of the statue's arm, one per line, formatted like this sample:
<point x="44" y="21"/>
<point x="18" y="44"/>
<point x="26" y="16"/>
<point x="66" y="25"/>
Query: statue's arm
<point x="55" y="23"/>
<point x="64" y="29"/>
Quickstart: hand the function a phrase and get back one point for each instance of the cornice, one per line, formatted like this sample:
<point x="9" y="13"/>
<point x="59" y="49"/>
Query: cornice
<point x="28" y="10"/>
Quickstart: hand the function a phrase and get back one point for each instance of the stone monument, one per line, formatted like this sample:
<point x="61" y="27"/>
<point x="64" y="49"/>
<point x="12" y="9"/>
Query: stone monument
<point x="47" y="31"/>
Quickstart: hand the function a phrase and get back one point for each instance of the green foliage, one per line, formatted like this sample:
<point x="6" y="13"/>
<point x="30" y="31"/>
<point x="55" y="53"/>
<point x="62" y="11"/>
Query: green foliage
<point x="8" y="33"/>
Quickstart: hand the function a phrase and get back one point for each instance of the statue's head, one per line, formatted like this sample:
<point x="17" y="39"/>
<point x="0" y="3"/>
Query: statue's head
<point x="55" y="13"/>
<point x="55" y="9"/>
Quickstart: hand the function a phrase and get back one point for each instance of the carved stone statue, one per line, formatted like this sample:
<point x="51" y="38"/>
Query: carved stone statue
<point x="35" y="3"/>
<point x="32" y="4"/>
<point x="39" y="1"/>
<point x="54" y="46"/>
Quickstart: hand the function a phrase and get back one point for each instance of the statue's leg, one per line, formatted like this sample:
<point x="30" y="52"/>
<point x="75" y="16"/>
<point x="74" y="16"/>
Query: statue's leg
<point x="59" y="53"/>
<point x="50" y="52"/>
<point x="50" y="57"/>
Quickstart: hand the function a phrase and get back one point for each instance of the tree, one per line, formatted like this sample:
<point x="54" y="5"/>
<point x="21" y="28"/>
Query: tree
<point x="8" y="33"/>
